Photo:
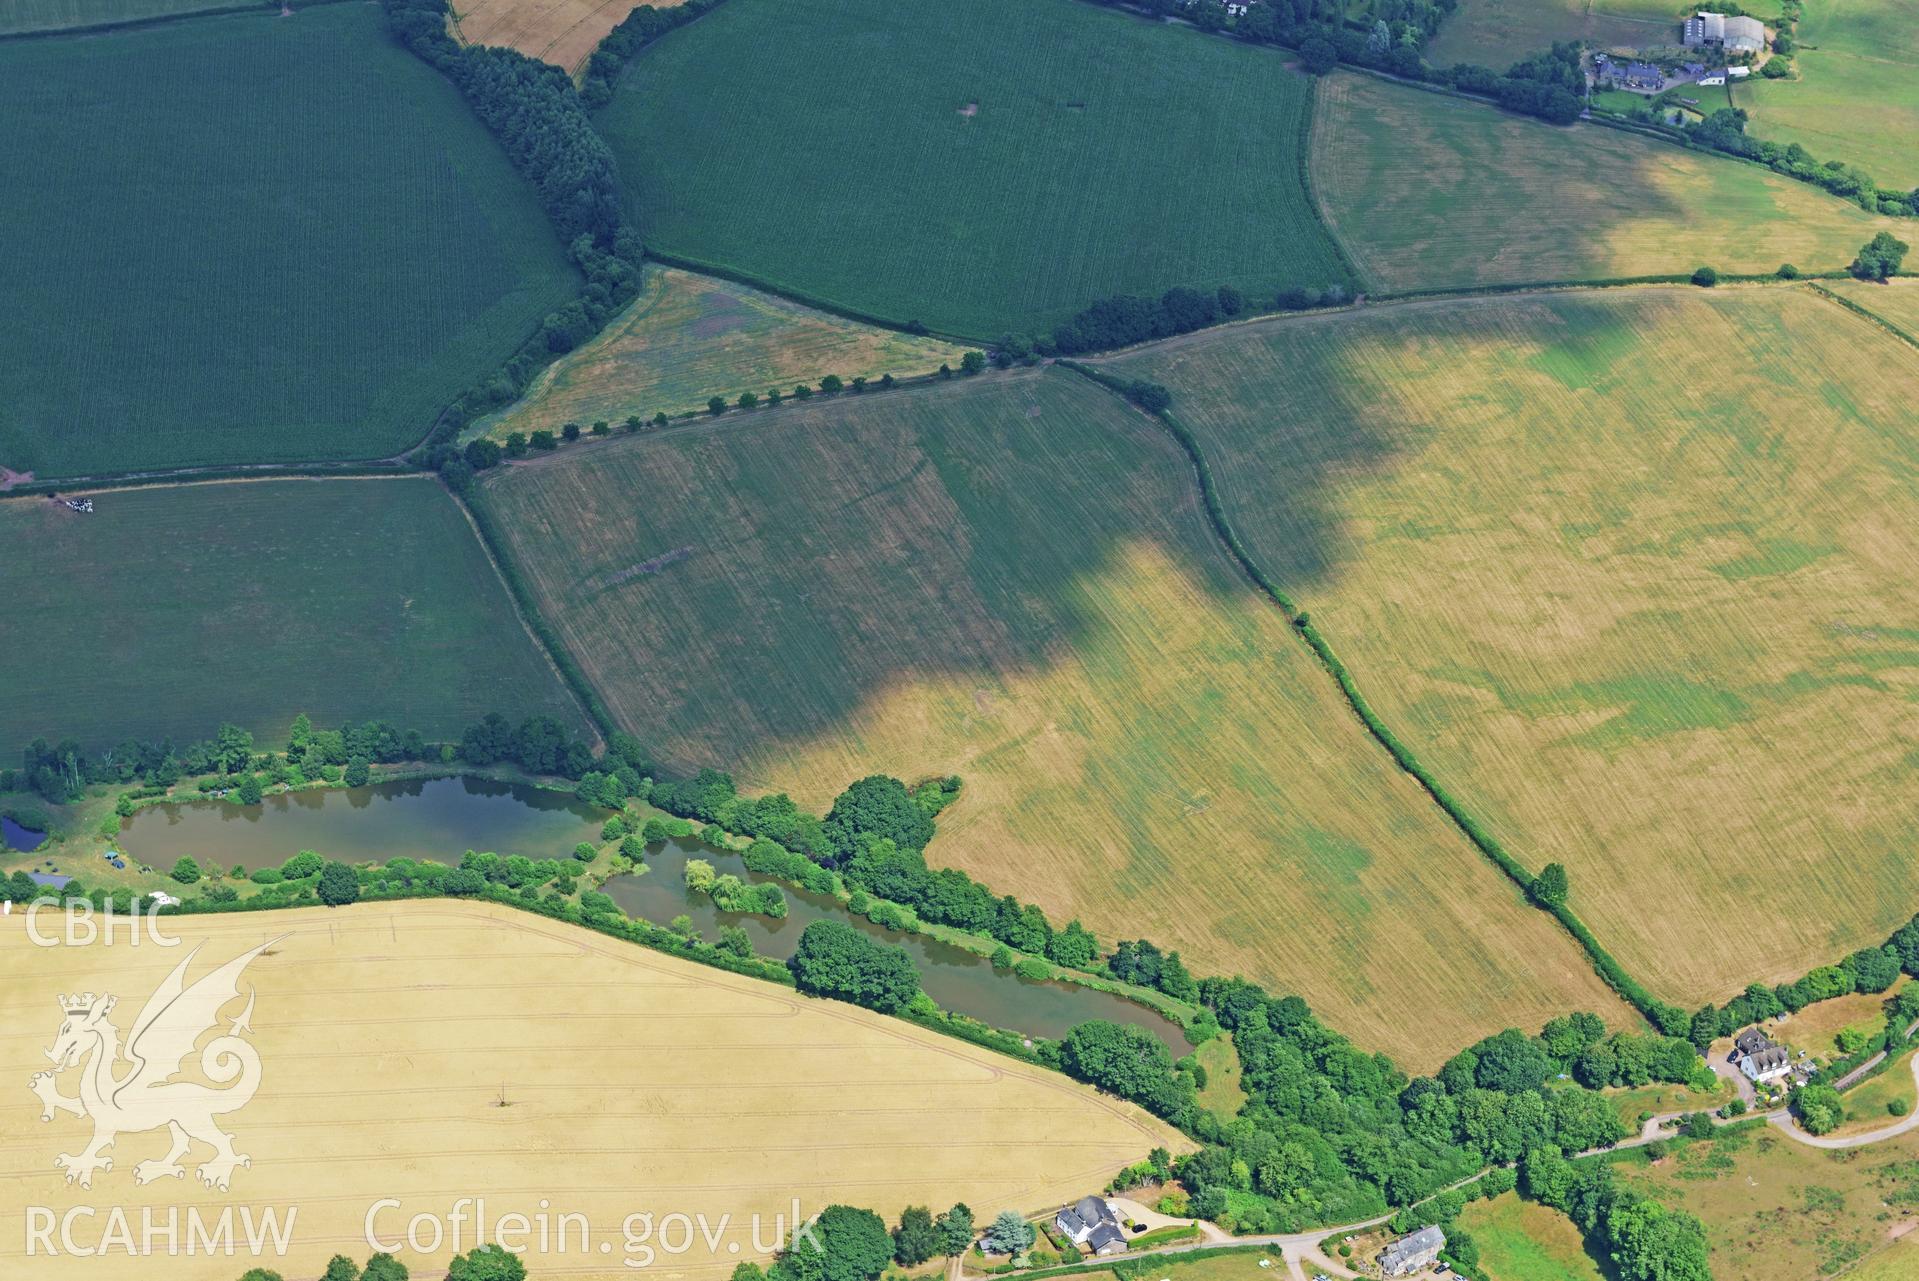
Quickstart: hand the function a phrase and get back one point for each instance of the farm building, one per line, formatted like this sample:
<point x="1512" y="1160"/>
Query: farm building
<point x="1734" y="34"/>
<point x="1411" y="1253"/>
<point x="50" y="880"/>
<point x="1091" y="1224"/>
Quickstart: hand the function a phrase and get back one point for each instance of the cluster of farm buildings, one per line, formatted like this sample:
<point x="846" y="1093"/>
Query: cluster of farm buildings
<point x="1731" y="36"/>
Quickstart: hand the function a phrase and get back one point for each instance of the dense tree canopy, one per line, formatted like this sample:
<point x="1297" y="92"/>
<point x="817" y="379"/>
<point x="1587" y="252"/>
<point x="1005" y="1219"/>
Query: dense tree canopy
<point x="839" y="961"/>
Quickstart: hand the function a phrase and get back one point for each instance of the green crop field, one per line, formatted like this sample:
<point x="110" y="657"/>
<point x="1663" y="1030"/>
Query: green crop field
<point x="1631" y="572"/>
<point x="1856" y="97"/>
<point x="1430" y="191"/>
<point x="981" y="168"/>
<point x="169" y="610"/>
<point x="1008" y="578"/>
<point x="1526" y="1241"/>
<point x="1498" y="33"/>
<point x="688" y="338"/>
<point x="20" y="16"/>
<point x="249" y="239"/>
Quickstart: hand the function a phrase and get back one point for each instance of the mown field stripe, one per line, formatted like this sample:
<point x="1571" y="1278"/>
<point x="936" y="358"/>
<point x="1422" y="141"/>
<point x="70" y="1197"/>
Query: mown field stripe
<point x="1608" y="969"/>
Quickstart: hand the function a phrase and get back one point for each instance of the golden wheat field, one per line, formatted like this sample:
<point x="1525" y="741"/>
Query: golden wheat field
<point x="688" y="338"/>
<point x="1008" y="578"/>
<point x="1428" y="191"/>
<point x="423" y="1052"/>
<point x="1631" y="572"/>
<point x="562" y="32"/>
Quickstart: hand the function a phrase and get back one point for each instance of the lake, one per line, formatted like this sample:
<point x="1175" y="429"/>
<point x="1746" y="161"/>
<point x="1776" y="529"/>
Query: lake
<point x="442" y="818"/>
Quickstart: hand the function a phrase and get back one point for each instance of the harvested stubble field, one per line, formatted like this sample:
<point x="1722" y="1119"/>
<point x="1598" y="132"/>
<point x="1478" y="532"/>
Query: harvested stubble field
<point x="1009" y="578"/>
<point x="983" y="167"/>
<point x="169" y="610"/>
<point x="688" y="338"/>
<point x="1856" y="93"/>
<point x="20" y="16"/>
<point x="1656" y="626"/>
<point x="1775" y="1208"/>
<point x="429" y="1051"/>
<point x="1429" y="191"/>
<point x="562" y="32"/>
<point x="1497" y="33"/>
<point x="249" y="239"/>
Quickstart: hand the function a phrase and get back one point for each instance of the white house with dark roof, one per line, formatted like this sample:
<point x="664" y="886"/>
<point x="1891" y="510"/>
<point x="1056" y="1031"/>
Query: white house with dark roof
<point x="1412" y="1252"/>
<point x="1758" y="1059"/>
<point x="1091" y="1224"/>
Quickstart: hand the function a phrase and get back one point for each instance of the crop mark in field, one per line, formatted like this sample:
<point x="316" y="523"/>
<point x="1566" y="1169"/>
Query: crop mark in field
<point x="645" y="567"/>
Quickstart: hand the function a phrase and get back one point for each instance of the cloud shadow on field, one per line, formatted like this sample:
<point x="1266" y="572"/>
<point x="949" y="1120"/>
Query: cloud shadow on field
<point x="741" y="590"/>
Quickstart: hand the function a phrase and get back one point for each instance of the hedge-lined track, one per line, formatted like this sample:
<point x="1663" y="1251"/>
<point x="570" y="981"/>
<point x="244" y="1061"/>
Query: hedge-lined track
<point x="1010" y="578"/>
<point x="301" y="257"/>
<point x="1655" y="637"/>
<point x="171" y="609"/>
<point x="982" y="168"/>
<point x="1428" y="191"/>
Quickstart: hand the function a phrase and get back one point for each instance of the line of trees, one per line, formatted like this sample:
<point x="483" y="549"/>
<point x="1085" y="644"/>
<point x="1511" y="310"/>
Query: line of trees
<point x="1537" y="86"/>
<point x="230" y="761"/>
<point x="533" y="110"/>
<point x="1725" y="131"/>
<point x="637" y="30"/>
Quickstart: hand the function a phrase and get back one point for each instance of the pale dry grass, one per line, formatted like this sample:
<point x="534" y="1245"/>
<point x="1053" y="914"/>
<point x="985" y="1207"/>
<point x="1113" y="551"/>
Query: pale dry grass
<point x="1009" y="579"/>
<point x="1896" y="301"/>
<point x="1631" y="572"/>
<point x="1426" y="191"/>
<point x="562" y="32"/>
<point x="688" y="338"/>
<point x="634" y="1082"/>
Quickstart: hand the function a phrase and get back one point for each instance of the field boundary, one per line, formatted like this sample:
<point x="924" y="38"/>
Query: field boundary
<point x="215" y="9"/>
<point x="1609" y="970"/>
<point x="219" y="473"/>
<point x="1867" y="314"/>
<point x="1304" y="159"/>
<point x="791" y="294"/>
<point x="548" y="641"/>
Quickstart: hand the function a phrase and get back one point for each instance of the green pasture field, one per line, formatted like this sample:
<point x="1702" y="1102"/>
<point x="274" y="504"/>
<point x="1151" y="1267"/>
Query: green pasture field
<point x="249" y="239"/>
<point x="1630" y="572"/>
<point x="22" y="16"/>
<point x="1498" y="33"/>
<point x="1009" y="578"/>
<point x="1526" y="1241"/>
<point x="169" y="610"/>
<point x="1856" y="94"/>
<point x="1429" y="191"/>
<point x="980" y="168"/>
<point x="688" y="338"/>
<point x="1776" y="1208"/>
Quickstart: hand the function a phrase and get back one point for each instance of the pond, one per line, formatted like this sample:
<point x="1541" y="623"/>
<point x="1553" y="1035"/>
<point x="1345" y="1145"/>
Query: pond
<point x="15" y="837"/>
<point x="958" y="979"/>
<point x="442" y="818"/>
<point x="438" y="818"/>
